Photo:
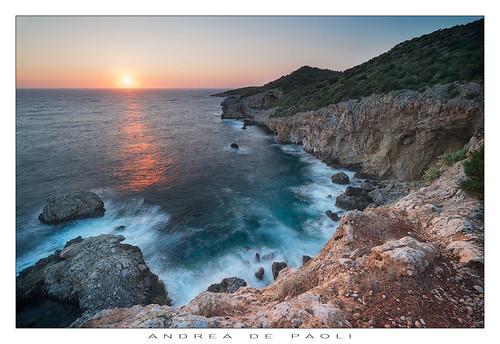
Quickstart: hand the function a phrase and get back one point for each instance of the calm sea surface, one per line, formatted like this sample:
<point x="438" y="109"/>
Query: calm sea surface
<point x="161" y="160"/>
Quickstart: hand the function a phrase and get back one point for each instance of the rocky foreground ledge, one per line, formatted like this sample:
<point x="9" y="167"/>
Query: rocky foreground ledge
<point x="415" y="263"/>
<point x="92" y="274"/>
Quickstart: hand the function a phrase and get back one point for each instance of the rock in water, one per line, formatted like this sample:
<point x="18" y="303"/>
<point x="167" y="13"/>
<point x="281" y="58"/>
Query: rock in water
<point x="305" y="259"/>
<point x="277" y="267"/>
<point x="353" y="191"/>
<point x="76" y="205"/>
<point x="347" y="202"/>
<point x="243" y="127"/>
<point x="234" y="145"/>
<point x="227" y="285"/>
<point x="333" y="216"/>
<point x="120" y="228"/>
<point x="260" y="273"/>
<point x="94" y="273"/>
<point x="340" y="178"/>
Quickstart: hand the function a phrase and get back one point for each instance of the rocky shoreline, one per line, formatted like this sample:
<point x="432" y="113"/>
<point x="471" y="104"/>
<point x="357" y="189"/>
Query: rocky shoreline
<point x="415" y="263"/>
<point x="403" y="255"/>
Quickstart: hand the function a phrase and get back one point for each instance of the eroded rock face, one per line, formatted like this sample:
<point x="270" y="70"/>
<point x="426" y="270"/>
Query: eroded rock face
<point x="394" y="135"/>
<point x="405" y="256"/>
<point x="76" y="205"/>
<point x="94" y="273"/>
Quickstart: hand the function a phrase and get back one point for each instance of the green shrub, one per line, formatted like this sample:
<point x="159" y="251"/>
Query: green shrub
<point x="452" y="158"/>
<point x="432" y="173"/>
<point x="446" y="159"/>
<point x="473" y="184"/>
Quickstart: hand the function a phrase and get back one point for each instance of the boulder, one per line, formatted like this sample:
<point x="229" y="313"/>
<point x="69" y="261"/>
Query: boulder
<point x="243" y="127"/>
<point x="260" y="273"/>
<point x="277" y="267"/>
<point x="466" y="252"/>
<point x="353" y="191"/>
<point x="234" y="145"/>
<point x="94" y="273"/>
<point x="76" y="205"/>
<point x="347" y="202"/>
<point x="333" y="216"/>
<point x="340" y="178"/>
<point x="405" y="256"/>
<point x="227" y="285"/>
<point x="120" y="228"/>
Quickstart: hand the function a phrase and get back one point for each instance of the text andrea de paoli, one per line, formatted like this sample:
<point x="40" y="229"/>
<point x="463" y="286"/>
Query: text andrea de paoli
<point x="257" y="336"/>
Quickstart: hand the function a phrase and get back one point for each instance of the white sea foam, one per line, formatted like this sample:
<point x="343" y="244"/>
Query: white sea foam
<point x="140" y="221"/>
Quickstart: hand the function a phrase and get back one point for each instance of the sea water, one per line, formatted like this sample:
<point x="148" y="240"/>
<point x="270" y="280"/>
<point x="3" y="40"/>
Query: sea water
<point x="161" y="160"/>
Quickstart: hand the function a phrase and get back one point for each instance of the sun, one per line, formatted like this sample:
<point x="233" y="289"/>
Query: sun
<point x="127" y="81"/>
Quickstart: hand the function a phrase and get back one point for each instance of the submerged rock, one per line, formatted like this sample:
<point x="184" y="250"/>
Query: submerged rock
<point x="268" y="256"/>
<point x="260" y="273"/>
<point x="333" y="216"/>
<point x="76" y="205"/>
<point x="277" y="267"/>
<point x="234" y="145"/>
<point x="120" y="228"/>
<point x="340" y="178"/>
<point x="94" y="273"/>
<point x="243" y="127"/>
<point x="227" y="285"/>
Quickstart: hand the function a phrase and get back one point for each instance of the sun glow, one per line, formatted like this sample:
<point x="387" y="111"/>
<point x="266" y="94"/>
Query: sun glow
<point x="127" y="81"/>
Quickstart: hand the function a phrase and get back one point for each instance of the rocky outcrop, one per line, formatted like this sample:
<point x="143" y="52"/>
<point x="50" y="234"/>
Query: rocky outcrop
<point x="76" y="205"/>
<point x="245" y="108"/>
<point x="94" y="273"/>
<point x="227" y="285"/>
<point x="405" y="256"/>
<point x="394" y="135"/>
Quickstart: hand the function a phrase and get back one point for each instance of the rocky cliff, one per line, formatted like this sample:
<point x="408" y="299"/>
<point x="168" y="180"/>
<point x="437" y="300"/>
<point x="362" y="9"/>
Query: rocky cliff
<point x="395" y="135"/>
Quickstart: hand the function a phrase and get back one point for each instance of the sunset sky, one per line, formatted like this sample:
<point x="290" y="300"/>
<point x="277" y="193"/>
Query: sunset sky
<point x="200" y="52"/>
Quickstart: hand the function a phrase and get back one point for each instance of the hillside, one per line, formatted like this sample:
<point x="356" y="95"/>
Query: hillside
<point x="444" y="56"/>
<point x="298" y="79"/>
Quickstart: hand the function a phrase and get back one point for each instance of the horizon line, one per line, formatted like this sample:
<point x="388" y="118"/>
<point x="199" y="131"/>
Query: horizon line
<point x="128" y="89"/>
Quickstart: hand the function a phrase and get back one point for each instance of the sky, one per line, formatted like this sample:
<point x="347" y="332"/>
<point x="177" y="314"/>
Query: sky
<point x="199" y="52"/>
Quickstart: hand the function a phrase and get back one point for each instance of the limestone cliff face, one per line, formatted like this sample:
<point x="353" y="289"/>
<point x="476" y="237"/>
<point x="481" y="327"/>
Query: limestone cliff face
<point x="394" y="135"/>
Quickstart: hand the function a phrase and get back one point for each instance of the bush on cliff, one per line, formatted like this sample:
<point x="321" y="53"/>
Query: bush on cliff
<point x="444" y="160"/>
<point x="473" y="184"/>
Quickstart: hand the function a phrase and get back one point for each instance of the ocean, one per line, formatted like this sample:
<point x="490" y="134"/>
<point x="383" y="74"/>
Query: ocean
<point x="161" y="160"/>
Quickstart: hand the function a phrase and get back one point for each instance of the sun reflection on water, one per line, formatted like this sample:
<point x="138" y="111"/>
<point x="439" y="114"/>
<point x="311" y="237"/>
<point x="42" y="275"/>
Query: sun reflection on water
<point x="142" y="162"/>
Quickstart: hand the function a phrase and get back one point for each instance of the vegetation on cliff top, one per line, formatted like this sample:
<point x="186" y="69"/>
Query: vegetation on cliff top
<point x="300" y="78"/>
<point x="455" y="54"/>
<point x="444" y="56"/>
<point x="474" y="170"/>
